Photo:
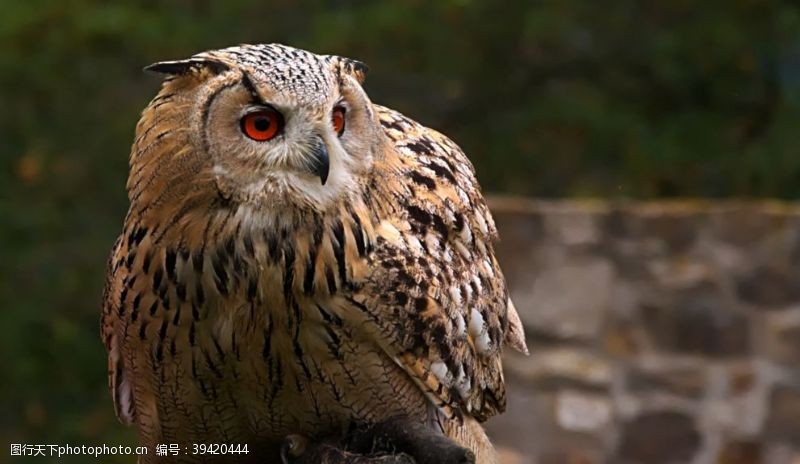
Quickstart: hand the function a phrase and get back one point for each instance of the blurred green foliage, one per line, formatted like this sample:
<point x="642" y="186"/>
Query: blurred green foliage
<point x="575" y="98"/>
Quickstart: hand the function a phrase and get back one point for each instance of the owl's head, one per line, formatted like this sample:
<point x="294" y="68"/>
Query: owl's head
<point x="266" y="125"/>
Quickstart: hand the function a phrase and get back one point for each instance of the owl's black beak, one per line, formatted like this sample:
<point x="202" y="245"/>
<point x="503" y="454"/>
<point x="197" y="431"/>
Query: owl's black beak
<point x="320" y="162"/>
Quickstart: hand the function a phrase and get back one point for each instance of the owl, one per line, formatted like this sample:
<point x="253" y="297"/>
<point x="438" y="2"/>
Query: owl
<point x="295" y="259"/>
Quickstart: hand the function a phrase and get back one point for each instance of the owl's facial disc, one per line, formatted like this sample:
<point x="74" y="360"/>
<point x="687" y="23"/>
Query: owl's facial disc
<point x="265" y="123"/>
<point x="283" y="127"/>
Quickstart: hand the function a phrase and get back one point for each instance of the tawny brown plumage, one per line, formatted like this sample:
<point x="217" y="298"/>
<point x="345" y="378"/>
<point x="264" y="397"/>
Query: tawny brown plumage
<point x="291" y="286"/>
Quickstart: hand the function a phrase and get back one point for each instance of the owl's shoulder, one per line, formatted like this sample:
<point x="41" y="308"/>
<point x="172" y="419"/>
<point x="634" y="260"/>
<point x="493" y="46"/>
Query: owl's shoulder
<point x="426" y="149"/>
<point x="424" y="176"/>
<point x="436" y="289"/>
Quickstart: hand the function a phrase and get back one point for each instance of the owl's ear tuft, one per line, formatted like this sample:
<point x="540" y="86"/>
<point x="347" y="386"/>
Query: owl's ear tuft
<point x="351" y="67"/>
<point x="181" y="67"/>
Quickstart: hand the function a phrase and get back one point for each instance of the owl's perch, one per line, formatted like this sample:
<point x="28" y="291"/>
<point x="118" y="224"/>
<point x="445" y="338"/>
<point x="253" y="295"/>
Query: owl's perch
<point x="394" y="441"/>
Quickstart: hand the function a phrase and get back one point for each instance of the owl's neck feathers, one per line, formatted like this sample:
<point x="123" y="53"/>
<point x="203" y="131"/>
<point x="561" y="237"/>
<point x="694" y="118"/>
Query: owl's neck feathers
<point x="180" y="222"/>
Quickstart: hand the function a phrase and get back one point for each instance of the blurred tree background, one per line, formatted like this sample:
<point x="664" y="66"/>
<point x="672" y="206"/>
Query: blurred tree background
<point x="569" y="98"/>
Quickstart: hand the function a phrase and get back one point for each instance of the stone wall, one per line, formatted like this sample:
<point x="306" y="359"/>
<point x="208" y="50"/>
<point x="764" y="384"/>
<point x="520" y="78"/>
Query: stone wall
<point x="659" y="332"/>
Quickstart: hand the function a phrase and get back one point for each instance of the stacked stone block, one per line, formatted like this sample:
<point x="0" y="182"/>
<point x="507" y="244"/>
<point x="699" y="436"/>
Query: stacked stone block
<point x="659" y="332"/>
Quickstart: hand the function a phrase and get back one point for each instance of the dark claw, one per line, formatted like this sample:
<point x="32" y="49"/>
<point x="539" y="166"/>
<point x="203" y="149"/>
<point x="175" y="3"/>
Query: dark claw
<point x="401" y="435"/>
<point x="324" y="453"/>
<point x="394" y="441"/>
<point x="292" y="448"/>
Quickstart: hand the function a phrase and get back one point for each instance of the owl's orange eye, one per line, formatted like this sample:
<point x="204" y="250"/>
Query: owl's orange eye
<point x="337" y="118"/>
<point x="262" y="125"/>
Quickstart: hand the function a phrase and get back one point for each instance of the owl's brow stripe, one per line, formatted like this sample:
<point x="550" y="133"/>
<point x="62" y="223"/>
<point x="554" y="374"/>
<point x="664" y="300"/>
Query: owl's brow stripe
<point x="247" y="82"/>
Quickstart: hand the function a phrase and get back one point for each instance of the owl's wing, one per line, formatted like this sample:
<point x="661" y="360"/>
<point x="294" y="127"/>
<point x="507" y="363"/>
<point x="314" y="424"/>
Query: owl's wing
<point x="435" y="299"/>
<point x="119" y="381"/>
